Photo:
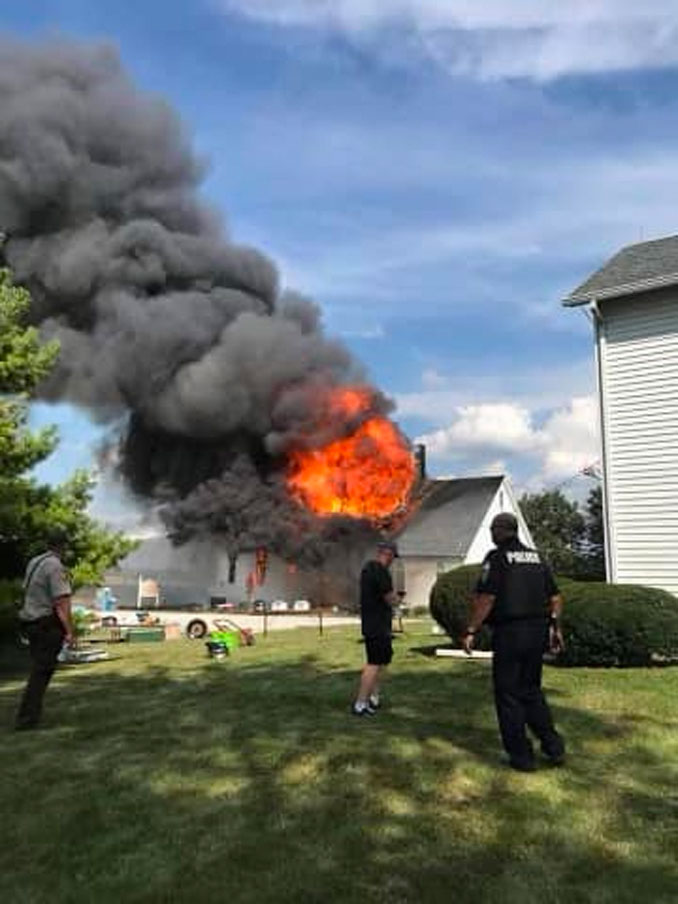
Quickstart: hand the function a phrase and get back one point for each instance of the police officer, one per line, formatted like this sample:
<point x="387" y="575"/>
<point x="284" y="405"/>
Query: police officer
<point x="46" y="620"/>
<point x="517" y="595"/>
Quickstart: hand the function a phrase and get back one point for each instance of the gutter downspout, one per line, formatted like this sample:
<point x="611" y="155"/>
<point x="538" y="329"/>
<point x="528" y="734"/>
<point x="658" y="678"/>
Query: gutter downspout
<point x="597" y="319"/>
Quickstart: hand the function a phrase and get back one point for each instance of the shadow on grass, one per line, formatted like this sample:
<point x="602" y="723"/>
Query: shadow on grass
<point x="14" y="659"/>
<point x="256" y="785"/>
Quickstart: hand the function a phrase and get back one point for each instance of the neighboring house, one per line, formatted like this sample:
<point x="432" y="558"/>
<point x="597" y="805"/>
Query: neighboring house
<point x="449" y="528"/>
<point x="633" y="301"/>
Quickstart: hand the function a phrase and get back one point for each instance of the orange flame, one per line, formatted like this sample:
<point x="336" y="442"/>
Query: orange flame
<point x="366" y="475"/>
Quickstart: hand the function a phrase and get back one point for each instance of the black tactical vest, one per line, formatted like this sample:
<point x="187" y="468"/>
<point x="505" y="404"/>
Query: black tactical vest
<point x="524" y="588"/>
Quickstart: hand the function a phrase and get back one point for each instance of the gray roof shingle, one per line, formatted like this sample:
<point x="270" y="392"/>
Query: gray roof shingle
<point x="636" y="268"/>
<point x="448" y="517"/>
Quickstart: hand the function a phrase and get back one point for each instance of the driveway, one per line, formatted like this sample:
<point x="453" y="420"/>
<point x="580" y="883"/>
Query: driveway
<point x="275" y="621"/>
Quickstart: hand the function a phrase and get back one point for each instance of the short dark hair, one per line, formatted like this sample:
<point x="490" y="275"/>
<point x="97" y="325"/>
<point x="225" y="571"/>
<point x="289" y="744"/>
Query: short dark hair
<point x="56" y="537"/>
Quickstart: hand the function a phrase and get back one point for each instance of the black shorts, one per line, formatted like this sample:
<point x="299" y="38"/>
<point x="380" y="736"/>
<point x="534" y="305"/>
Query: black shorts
<point x="379" y="649"/>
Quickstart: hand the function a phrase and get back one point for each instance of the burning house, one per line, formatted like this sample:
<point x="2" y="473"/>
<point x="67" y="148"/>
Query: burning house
<point x="231" y="412"/>
<point x="445" y="524"/>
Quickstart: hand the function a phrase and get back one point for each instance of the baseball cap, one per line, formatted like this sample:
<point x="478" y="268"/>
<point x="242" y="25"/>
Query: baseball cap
<point x="389" y="546"/>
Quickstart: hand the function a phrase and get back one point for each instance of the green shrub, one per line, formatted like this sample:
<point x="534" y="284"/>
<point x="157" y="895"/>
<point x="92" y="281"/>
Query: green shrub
<point x="618" y="624"/>
<point x="603" y="624"/>
<point x="450" y="603"/>
<point x="10" y="598"/>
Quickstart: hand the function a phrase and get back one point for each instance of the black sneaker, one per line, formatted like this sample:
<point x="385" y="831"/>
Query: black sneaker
<point x="373" y="703"/>
<point x="523" y="765"/>
<point x="557" y="759"/>
<point x="554" y="752"/>
<point x="365" y="710"/>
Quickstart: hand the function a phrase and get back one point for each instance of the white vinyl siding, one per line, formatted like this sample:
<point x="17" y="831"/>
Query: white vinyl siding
<point x="639" y="364"/>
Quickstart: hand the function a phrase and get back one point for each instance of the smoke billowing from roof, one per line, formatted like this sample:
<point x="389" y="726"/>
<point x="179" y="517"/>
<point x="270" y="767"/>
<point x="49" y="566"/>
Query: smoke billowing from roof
<point x="165" y="324"/>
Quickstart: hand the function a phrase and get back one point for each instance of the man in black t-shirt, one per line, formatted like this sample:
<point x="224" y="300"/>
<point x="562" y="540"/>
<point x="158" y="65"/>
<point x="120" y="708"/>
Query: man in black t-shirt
<point x="376" y="611"/>
<point x="517" y="596"/>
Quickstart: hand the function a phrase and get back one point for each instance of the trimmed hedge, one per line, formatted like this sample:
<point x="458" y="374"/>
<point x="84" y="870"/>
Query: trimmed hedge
<point x="450" y="603"/>
<point x="618" y="625"/>
<point x="603" y="624"/>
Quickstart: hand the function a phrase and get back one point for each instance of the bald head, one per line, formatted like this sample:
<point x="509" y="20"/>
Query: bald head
<point x="504" y="528"/>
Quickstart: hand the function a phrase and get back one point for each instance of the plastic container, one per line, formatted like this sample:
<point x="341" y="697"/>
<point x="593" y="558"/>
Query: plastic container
<point x="145" y="635"/>
<point x="216" y="649"/>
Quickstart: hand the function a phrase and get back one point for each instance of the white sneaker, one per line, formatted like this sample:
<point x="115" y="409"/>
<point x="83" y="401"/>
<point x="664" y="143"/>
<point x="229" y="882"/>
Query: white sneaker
<point x="363" y="709"/>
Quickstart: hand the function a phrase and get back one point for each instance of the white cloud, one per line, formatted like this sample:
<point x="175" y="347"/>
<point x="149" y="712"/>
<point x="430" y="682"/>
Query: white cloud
<point x="527" y="387"/>
<point x="570" y="438"/>
<point x="500" y="426"/>
<point x="562" y="446"/>
<point x="494" y="39"/>
<point x="492" y="468"/>
<point x="433" y="379"/>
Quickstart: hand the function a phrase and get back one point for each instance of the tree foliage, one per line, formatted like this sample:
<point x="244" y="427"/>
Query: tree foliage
<point x="569" y="539"/>
<point x="28" y="508"/>
<point x="595" y="534"/>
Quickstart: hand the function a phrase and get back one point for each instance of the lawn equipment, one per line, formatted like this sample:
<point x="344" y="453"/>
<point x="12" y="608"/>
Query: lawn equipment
<point x="227" y="626"/>
<point x="198" y="628"/>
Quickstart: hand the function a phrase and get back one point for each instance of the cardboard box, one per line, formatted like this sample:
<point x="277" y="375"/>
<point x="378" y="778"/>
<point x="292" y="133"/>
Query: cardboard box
<point x="173" y="631"/>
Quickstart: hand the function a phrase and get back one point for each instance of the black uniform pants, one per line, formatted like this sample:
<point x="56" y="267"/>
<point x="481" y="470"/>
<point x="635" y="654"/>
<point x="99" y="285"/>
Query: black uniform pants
<point x="45" y="638"/>
<point x="517" y="668"/>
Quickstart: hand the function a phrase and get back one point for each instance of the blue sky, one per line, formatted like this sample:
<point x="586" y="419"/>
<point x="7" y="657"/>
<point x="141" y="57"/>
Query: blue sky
<point x="437" y="175"/>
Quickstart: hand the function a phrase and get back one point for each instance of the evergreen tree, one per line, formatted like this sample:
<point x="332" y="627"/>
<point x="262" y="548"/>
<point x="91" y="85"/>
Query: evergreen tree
<point x="28" y="508"/>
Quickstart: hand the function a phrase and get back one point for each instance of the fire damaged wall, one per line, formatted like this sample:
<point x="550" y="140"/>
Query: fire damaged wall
<point x="171" y="332"/>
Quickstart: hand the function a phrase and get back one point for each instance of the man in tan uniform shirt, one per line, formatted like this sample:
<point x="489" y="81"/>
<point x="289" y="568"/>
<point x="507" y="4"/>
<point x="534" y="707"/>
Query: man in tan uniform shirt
<point x="46" y="620"/>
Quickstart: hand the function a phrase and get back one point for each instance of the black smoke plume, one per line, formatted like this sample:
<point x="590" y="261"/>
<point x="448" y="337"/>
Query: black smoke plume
<point x="166" y="326"/>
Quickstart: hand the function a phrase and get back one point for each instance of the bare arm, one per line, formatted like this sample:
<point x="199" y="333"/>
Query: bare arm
<point x="556" y="606"/>
<point x="390" y="598"/>
<point x="556" y="640"/>
<point x="480" y="608"/>
<point x="62" y="607"/>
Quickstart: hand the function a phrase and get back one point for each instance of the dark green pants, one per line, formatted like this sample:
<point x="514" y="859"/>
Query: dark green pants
<point x="45" y="638"/>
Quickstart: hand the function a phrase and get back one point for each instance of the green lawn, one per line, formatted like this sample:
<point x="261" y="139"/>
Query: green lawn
<point x="163" y="777"/>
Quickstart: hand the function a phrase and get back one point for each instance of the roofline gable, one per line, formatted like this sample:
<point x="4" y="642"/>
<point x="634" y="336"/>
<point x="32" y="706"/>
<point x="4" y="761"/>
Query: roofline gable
<point x="507" y="487"/>
<point x="435" y="501"/>
<point x="632" y="288"/>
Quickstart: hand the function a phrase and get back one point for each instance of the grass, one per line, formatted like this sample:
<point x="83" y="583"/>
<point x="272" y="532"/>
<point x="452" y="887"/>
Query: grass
<point x="163" y="777"/>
